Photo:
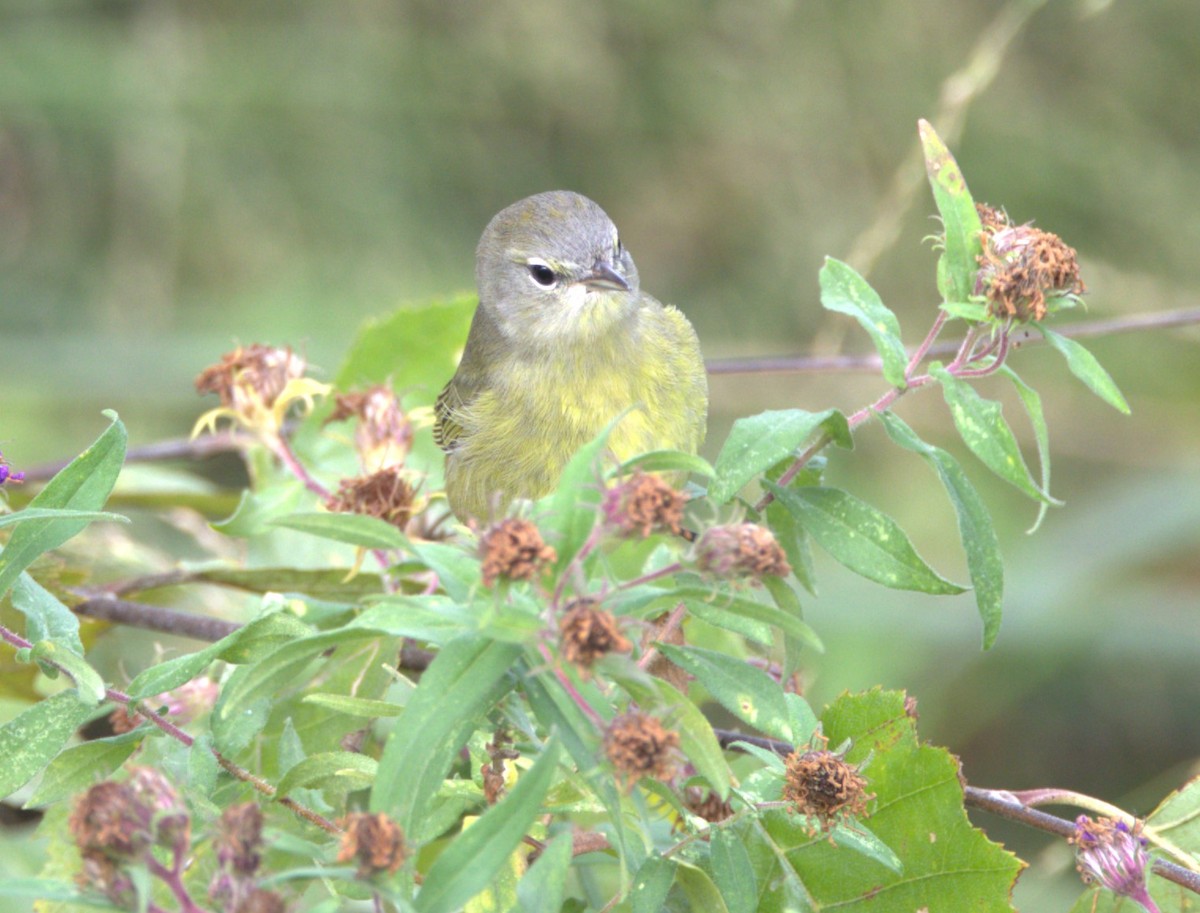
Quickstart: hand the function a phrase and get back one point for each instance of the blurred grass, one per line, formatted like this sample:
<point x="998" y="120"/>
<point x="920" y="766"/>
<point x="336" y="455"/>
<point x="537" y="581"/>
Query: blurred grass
<point x="177" y="176"/>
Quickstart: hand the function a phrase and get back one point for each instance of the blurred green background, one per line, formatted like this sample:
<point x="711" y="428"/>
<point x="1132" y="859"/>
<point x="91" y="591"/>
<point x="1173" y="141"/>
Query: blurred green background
<point x="177" y="176"/>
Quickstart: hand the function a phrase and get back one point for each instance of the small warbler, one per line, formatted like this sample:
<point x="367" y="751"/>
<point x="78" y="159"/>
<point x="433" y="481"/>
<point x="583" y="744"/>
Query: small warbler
<point x="562" y="342"/>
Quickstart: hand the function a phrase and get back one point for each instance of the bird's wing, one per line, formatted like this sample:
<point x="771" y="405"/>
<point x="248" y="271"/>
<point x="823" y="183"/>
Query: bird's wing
<point x="446" y="428"/>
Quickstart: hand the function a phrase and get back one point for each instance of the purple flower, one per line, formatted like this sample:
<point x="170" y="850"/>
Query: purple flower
<point x="1113" y="855"/>
<point x="7" y="475"/>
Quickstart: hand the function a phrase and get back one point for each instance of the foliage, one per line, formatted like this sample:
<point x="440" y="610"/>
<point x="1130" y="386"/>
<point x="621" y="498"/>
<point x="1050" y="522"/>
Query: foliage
<point x="514" y="717"/>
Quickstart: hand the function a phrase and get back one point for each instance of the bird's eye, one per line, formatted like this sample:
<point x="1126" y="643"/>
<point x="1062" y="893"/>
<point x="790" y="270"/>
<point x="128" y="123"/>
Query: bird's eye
<point x="542" y="274"/>
<point x="617" y="246"/>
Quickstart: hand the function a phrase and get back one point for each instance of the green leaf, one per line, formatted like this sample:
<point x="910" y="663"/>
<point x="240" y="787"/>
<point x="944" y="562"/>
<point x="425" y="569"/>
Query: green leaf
<point x="415" y="347"/>
<point x="1032" y="401"/>
<point x="959" y="261"/>
<point x="984" y="430"/>
<point x="722" y="609"/>
<point x="468" y="864"/>
<point x="863" y="539"/>
<point x="48" y="513"/>
<point x="353" y="529"/>
<point x="89" y="686"/>
<point x="47" y="889"/>
<point x="541" y="889"/>
<point x="252" y="689"/>
<point x="967" y="310"/>
<point x="667" y="461"/>
<point x="342" y="770"/>
<point x="795" y="544"/>
<point x="45" y="617"/>
<point x="259" y="637"/>
<point x="435" y="619"/>
<point x="652" y="884"/>
<point x="354" y="706"/>
<point x="974" y="524"/>
<point x="82" y="765"/>
<point x="84" y="484"/>
<point x="733" y="872"/>
<point x="37" y="734"/>
<point x="758" y="442"/>
<point x="744" y="690"/>
<point x="468" y="676"/>
<point x="458" y="570"/>
<point x="917" y="812"/>
<point x="1083" y="364"/>
<point x="699" y="889"/>
<point x="321" y="583"/>
<point x="566" y="516"/>
<point x="843" y="290"/>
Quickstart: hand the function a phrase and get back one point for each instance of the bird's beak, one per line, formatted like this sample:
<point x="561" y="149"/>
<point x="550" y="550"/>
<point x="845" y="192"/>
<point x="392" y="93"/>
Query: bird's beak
<point x="604" y="276"/>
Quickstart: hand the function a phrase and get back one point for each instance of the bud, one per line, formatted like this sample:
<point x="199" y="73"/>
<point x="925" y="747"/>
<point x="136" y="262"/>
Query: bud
<point x="237" y="842"/>
<point x="638" y="746"/>
<point x="513" y="549"/>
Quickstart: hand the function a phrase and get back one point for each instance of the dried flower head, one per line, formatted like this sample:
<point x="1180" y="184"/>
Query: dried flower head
<point x="741" y="548"/>
<point x="513" y="549"/>
<point x="386" y="495"/>
<point x="376" y="842"/>
<point x="706" y="804"/>
<point x="238" y="841"/>
<point x="822" y="786"/>
<point x="589" y="632"/>
<point x="384" y="435"/>
<point x="123" y="820"/>
<point x="239" y="837"/>
<point x="1112" y="854"/>
<point x="7" y="475"/>
<point x="638" y="746"/>
<point x="257" y="385"/>
<point x="1021" y="266"/>
<point x="643" y="503"/>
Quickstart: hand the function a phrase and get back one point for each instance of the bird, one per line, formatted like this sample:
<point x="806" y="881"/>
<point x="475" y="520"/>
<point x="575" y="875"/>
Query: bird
<point x="562" y="342"/>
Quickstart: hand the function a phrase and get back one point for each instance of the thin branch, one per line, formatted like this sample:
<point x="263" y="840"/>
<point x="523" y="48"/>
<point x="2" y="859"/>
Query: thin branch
<point x="871" y="363"/>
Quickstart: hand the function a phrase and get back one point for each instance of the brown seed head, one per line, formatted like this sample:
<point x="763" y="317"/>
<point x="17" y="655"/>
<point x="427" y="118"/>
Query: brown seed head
<point x="820" y="785"/>
<point x="513" y="549"/>
<point x="1021" y="266"/>
<point x="109" y="819"/>
<point x="745" y="549"/>
<point x="589" y="632"/>
<point x="642" y="504"/>
<point x="384" y="434"/>
<point x="638" y="746"/>
<point x="386" y="495"/>
<point x="706" y="804"/>
<point x="375" y="841"/>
